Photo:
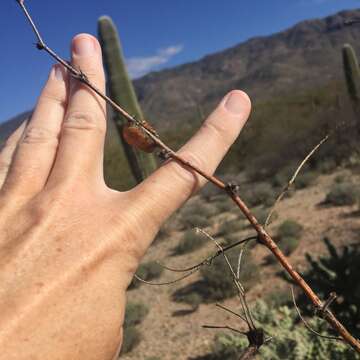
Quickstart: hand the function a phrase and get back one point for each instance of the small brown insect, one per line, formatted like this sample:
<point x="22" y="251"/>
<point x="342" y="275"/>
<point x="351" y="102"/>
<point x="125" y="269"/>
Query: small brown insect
<point x="135" y="136"/>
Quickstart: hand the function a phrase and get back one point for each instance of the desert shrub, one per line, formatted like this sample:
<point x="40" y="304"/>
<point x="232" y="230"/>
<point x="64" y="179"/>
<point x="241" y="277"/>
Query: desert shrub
<point x="339" y="270"/>
<point x="224" y="204"/>
<point x="305" y="180"/>
<point x="341" y="178"/>
<point x="235" y="237"/>
<point x="262" y="194"/>
<point x="282" y="177"/>
<point x="231" y="227"/>
<point x="292" y="341"/>
<point x="288" y="245"/>
<point x="194" y="220"/>
<point x="135" y="313"/>
<point x="147" y="271"/>
<point x="218" y="279"/>
<point x="199" y="208"/>
<point x="261" y="214"/>
<point x="342" y="194"/>
<point x="327" y="166"/>
<point x="190" y="242"/>
<point x="193" y="299"/>
<point x="278" y="298"/>
<point x="289" y="228"/>
<point x="132" y="338"/>
<point x="287" y="238"/>
<point x="209" y="191"/>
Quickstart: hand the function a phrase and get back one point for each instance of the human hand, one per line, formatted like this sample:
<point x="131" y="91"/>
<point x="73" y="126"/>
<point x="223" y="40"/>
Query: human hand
<point x="69" y="245"/>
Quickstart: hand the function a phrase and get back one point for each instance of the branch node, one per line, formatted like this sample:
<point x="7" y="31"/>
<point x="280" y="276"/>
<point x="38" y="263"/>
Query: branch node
<point x="80" y="75"/>
<point x="164" y="155"/>
<point x="232" y="188"/>
<point x="256" y="337"/>
<point x="40" y="46"/>
<point x="260" y="241"/>
<point x="320" y="311"/>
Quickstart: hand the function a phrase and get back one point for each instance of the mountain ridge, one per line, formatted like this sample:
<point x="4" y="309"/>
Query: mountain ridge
<point x="305" y="55"/>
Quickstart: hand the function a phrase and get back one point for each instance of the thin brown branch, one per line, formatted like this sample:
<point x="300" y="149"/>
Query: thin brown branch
<point x="224" y="328"/>
<point x="165" y="283"/>
<point x="307" y="324"/>
<point x="293" y="178"/>
<point x="264" y="237"/>
<point x="209" y="259"/>
<point x="249" y="353"/>
<point x="241" y="291"/>
<point x="230" y="311"/>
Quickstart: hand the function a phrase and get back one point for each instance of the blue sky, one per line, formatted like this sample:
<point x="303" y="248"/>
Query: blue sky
<point x="155" y="34"/>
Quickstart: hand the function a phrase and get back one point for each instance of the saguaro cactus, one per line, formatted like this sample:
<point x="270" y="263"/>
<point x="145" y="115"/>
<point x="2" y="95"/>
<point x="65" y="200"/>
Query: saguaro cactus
<point x="352" y="75"/>
<point x="122" y="91"/>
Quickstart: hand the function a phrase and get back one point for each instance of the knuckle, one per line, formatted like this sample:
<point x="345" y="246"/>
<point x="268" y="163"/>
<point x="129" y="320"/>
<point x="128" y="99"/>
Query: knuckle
<point x="4" y="165"/>
<point x="85" y="121"/>
<point x="218" y="130"/>
<point x="39" y="135"/>
<point x="53" y="97"/>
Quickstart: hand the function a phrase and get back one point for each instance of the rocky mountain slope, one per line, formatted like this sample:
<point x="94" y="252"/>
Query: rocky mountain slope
<point x="304" y="56"/>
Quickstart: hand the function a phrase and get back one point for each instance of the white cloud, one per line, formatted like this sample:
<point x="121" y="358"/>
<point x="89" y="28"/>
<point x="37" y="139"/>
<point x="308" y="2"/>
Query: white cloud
<point x="138" y="66"/>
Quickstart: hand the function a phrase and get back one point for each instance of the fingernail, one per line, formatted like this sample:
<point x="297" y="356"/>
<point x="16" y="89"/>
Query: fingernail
<point x="83" y="46"/>
<point x="235" y="102"/>
<point x="58" y="72"/>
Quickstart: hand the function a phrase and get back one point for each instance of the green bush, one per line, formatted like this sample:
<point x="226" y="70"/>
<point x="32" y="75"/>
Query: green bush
<point x="261" y="214"/>
<point x="278" y="298"/>
<point x="287" y="238"/>
<point x="262" y="194"/>
<point x="305" y="180"/>
<point x="132" y="338"/>
<point x="218" y="279"/>
<point x="193" y="220"/>
<point x="291" y="340"/>
<point x="288" y="244"/>
<point x="224" y="204"/>
<point x="135" y="313"/>
<point x="147" y="271"/>
<point x="327" y="166"/>
<point x="209" y="191"/>
<point x="190" y="241"/>
<point x="193" y="299"/>
<point x="341" y="178"/>
<point x="199" y="208"/>
<point x="231" y="227"/>
<point x="342" y="194"/>
<point x="289" y="228"/>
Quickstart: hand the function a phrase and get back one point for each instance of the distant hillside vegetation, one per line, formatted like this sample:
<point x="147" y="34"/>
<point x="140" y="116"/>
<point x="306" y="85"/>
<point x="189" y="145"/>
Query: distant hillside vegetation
<point x="296" y="82"/>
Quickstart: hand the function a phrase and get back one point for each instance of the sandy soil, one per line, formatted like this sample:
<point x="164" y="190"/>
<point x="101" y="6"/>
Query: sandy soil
<point x="170" y="337"/>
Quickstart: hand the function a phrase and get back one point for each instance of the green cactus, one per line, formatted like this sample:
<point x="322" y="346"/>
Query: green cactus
<point x="352" y="75"/>
<point x="121" y="90"/>
<point x="338" y="271"/>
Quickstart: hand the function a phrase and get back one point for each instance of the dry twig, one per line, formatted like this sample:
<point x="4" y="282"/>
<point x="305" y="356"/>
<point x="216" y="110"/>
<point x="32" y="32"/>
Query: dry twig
<point x="307" y="324"/>
<point x="293" y="178"/>
<point x="264" y="237"/>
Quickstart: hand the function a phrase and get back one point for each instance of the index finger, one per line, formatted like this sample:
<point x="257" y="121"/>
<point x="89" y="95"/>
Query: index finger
<point x="171" y="185"/>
